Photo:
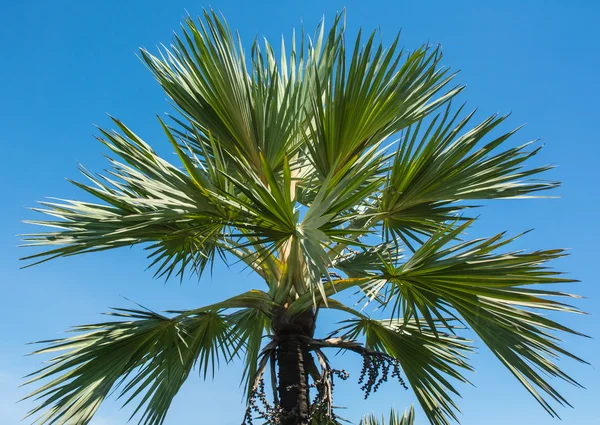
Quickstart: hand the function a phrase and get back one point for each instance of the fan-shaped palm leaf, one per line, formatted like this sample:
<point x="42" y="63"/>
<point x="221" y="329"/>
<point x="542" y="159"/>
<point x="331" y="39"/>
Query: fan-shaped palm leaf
<point x="146" y="354"/>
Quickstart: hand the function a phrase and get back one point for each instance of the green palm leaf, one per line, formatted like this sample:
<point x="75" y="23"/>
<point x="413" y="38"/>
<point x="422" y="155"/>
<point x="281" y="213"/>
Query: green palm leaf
<point x="370" y="95"/>
<point x="249" y="111"/>
<point x="427" y="358"/>
<point x="147" y="355"/>
<point x="497" y="295"/>
<point x="250" y="325"/>
<point x="149" y="200"/>
<point x="436" y="167"/>
<point x="408" y="418"/>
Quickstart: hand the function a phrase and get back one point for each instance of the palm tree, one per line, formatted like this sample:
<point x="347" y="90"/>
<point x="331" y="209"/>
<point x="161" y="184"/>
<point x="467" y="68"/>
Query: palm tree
<point x="286" y="167"/>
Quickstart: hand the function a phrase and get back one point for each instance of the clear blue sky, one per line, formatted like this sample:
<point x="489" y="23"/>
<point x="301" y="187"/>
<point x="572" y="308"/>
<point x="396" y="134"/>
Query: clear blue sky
<point x="66" y="63"/>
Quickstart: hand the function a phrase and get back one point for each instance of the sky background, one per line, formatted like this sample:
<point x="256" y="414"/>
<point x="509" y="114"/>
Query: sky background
<point x="67" y="63"/>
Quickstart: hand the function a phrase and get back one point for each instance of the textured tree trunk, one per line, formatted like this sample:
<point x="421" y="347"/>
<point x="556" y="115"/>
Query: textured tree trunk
<point x="293" y="383"/>
<point x="292" y="360"/>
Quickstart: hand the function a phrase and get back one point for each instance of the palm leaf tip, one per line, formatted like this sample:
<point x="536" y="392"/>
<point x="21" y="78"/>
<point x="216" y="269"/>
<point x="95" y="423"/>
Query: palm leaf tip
<point x="408" y="418"/>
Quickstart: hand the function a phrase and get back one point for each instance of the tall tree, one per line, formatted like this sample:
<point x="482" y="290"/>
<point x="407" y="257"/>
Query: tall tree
<point x="286" y="167"/>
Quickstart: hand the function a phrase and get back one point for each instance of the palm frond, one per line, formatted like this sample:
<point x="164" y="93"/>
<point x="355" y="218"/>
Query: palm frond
<point x="439" y="166"/>
<point x="367" y="261"/>
<point x="499" y="296"/>
<point x="145" y="356"/>
<point x="250" y="109"/>
<point x="329" y="213"/>
<point x="369" y="95"/>
<point x="249" y="325"/>
<point x="408" y="418"/>
<point x="148" y="200"/>
<point x="427" y="358"/>
<point x="264" y="207"/>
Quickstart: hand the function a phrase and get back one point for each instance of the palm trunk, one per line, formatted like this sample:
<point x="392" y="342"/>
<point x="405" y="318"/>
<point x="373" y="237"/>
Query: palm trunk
<point x="293" y="383"/>
<point x="292" y="360"/>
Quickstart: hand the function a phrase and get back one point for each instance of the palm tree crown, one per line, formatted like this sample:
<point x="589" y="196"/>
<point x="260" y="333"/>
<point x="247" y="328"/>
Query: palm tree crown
<point x="291" y="166"/>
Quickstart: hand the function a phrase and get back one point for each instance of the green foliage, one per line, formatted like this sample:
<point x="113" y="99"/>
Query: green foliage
<point x="436" y="167"/>
<point x="428" y="358"/>
<point x="147" y="354"/>
<point x="285" y="166"/>
<point x="408" y="418"/>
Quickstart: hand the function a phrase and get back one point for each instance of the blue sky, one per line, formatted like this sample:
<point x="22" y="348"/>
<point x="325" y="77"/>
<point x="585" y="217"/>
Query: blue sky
<point x="67" y="63"/>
